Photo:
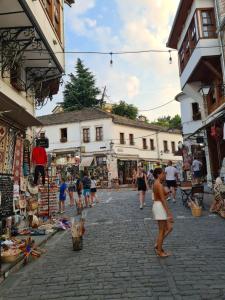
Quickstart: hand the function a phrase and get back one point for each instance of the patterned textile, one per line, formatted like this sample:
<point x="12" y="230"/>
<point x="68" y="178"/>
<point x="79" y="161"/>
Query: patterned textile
<point x="9" y="156"/>
<point x="3" y="142"/>
<point x="26" y="158"/>
<point x="18" y="156"/>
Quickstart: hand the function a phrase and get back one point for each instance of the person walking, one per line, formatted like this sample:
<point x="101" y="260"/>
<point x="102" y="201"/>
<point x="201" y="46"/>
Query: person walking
<point x="86" y="181"/>
<point x="93" y="190"/>
<point x="71" y="190"/>
<point x="171" y="180"/>
<point x="196" y="168"/>
<point x="79" y="188"/>
<point x="161" y="212"/>
<point x="62" y="195"/>
<point x="142" y="185"/>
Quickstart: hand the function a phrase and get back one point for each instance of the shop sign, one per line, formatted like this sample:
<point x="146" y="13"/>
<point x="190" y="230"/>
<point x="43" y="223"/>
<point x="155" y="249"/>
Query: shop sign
<point x="43" y="142"/>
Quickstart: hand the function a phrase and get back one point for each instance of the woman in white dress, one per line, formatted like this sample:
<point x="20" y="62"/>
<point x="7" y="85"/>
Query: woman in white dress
<point x="161" y="212"/>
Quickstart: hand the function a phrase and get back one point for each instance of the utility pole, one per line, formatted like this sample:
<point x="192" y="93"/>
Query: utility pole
<point x="103" y="97"/>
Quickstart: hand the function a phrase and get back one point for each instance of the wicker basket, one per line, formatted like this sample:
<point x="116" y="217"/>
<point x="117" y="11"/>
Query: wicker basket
<point x="9" y="258"/>
<point x="196" y="211"/>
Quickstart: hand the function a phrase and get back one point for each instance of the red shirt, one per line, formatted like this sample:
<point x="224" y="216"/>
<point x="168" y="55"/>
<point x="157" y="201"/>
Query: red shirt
<point x="39" y="156"/>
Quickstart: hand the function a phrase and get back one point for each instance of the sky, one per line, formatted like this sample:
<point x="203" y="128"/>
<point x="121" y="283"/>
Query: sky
<point x="144" y="80"/>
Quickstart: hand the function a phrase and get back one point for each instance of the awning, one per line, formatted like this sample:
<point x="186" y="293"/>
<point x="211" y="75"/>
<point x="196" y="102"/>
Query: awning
<point x="86" y="161"/>
<point x="16" y="113"/>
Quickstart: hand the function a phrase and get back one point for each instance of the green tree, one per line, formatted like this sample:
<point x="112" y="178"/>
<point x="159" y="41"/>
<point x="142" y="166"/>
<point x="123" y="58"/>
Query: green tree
<point x="80" y="91"/>
<point x="126" y="110"/>
<point x="167" y="121"/>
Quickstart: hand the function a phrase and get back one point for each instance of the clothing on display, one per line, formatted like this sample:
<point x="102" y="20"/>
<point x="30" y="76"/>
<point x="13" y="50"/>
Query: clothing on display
<point x="39" y="170"/>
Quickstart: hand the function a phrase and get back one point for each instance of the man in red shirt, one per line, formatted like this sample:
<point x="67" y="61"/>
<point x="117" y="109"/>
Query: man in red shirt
<point x="39" y="160"/>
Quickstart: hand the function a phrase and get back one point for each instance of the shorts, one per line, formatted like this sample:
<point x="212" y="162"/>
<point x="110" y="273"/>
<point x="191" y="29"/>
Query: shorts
<point x="93" y="190"/>
<point x="158" y="211"/>
<point x="86" y="192"/>
<point x="62" y="198"/>
<point x="197" y="174"/>
<point x="142" y="188"/>
<point x="171" y="183"/>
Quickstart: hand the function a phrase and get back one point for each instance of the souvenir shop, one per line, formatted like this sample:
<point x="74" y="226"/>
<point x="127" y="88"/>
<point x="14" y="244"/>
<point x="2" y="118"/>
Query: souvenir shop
<point x="24" y="207"/>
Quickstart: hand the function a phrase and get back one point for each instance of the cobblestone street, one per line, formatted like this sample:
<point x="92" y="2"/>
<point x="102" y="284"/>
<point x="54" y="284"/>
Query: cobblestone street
<point x="118" y="261"/>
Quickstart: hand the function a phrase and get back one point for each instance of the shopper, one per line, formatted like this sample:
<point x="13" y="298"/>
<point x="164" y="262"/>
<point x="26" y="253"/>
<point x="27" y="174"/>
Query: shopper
<point x="62" y="196"/>
<point x="71" y="190"/>
<point x="196" y="168"/>
<point x="171" y="180"/>
<point x="142" y="185"/>
<point x="93" y="190"/>
<point x="161" y="212"/>
<point x="86" y="181"/>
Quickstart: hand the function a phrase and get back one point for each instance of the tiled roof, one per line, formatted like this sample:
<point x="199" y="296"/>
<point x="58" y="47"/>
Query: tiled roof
<point x="73" y="116"/>
<point x="94" y="114"/>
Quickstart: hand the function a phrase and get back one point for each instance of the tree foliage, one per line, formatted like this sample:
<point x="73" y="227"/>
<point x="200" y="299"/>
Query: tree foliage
<point x="169" y="122"/>
<point x="126" y="110"/>
<point x="81" y="90"/>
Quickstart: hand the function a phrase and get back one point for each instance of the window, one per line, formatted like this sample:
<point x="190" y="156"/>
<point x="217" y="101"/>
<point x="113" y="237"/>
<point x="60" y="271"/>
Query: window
<point x="63" y="135"/>
<point x="101" y="160"/>
<point x="196" y="112"/>
<point x="99" y="134"/>
<point x="122" y="140"/>
<point x="208" y="24"/>
<point x="212" y="96"/>
<point x="86" y="135"/>
<point x="165" y="147"/>
<point x="54" y="11"/>
<point x="144" y="141"/>
<point x="173" y="147"/>
<point x="131" y="139"/>
<point x="152" y="146"/>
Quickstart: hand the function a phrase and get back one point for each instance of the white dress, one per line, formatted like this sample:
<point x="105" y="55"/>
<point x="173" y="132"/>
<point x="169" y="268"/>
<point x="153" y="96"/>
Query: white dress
<point x="158" y="211"/>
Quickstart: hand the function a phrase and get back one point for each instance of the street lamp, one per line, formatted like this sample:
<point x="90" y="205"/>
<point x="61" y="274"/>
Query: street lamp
<point x="204" y="91"/>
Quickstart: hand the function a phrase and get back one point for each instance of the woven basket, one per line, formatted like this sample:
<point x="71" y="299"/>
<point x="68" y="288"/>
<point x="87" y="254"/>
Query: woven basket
<point x="196" y="211"/>
<point x="9" y="258"/>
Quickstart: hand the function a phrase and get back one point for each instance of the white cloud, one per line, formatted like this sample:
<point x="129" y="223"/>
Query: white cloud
<point x="133" y="86"/>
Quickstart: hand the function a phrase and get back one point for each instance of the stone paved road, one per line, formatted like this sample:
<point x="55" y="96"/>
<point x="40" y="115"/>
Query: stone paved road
<point x="118" y="261"/>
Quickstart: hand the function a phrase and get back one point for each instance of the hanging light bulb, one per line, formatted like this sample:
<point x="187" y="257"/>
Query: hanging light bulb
<point x="170" y="58"/>
<point x="111" y="60"/>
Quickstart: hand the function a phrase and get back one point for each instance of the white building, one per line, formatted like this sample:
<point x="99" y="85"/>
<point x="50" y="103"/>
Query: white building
<point x="196" y="34"/>
<point x="111" y="140"/>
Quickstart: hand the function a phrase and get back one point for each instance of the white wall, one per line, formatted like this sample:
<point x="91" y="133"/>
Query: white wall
<point x="47" y="30"/>
<point x="189" y="126"/>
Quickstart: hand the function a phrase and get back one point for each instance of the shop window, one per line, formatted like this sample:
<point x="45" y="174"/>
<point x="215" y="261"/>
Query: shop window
<point x="63" y="135"/>
<point x="144" y="142"/>
<point x="86" y="135"/>
<point x="131" y="139"/>
<point x="173" y="147"/>
<point x="196" y="114"/>
<point x="99" y="134"/>
<point x="152" y="146"/>
<point x="122" y="139"/>
<point x="100" y="160"/>
<point x="208" y="24"/>
<point x="165" y="147"/>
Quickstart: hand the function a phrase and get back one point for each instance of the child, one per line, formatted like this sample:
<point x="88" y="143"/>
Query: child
<point x="62" y="196"/>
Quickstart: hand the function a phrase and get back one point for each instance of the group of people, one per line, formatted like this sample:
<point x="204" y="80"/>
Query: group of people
<point x="86" y="186"/>
<point x="145" y="180"/>
<point x="163" y="183"/>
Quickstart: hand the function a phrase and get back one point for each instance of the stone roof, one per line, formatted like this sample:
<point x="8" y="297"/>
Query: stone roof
<point x="87" y="114"/>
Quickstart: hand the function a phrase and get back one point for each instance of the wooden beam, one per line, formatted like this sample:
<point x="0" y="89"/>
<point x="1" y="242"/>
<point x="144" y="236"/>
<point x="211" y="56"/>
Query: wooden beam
<point x="211" y="67"/>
